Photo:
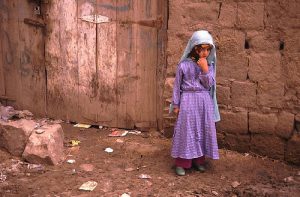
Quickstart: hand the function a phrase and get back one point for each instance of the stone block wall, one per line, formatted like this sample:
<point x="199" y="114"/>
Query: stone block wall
<point x="258" y="71"/>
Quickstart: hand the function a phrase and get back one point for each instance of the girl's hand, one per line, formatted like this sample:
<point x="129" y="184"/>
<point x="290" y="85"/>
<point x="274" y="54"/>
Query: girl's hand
<point x="202" y="63"/>
<point x="176" y="111"/>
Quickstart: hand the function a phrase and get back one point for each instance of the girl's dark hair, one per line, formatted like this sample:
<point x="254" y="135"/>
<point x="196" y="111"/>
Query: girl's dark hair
<point x="193" y="54"/>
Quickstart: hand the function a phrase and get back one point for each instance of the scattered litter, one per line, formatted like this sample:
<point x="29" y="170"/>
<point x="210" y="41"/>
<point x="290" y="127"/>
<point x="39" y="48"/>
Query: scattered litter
<point x="129" y="169"/>
<point x="86" y="126"/>
<point x="73" y="171"/>
<point x="100" y="127"/>
<point x="235" y="184"/>
<point x="74" y="142"/>
<point x="39" y="131"/>
<point x="135" y="132"/>
<point x="246" y="154"/>
<point x="109" y="150"/>
<point x="88" y="186"/>
<point x="125" y="195"/>
<point x="71" y="161"/>
<point x="2" y="177"/>
<point x="144" y="176"/>
<point x="288" y="179"/>
<point x="215" y="193"/>
<point x="35" y="167"/>
<point x="119" y="141"/>
<point x="118" y="133"/>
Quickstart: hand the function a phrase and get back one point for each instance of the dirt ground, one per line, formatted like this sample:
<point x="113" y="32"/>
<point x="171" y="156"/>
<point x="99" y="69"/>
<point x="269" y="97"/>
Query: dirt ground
<point x="148" y="153"/>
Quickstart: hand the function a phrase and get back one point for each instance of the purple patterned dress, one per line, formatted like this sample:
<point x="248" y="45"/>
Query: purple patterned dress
<point x="195" y="131"/>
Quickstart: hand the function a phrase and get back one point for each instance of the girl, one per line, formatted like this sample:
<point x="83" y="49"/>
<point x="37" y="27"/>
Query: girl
<point x="194" y="102"/>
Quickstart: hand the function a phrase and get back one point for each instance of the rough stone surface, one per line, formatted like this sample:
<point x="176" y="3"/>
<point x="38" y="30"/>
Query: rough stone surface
<point x="228" y="14"/>
<point x="236" y="123"/>
<point x="240" y="143"/>
<point x="243" y="94"/>
<point x="265" y="67"/>
<point x="285" y="125"/>
<point x="267" y="42"/>
<point x="270" y="94"/>
<point x="223" y="95"/>
<point x="267" y="145"/>
<point x="14" y="135"/>
<point x="231" y="41"/>
<point x="45" y="148"/>
<point x="293" y="149"/>
<point x="291" y="62"/>
<point x="251" y="15"/>
<point x="262" y="123"/>
<point x="233" y="67"/>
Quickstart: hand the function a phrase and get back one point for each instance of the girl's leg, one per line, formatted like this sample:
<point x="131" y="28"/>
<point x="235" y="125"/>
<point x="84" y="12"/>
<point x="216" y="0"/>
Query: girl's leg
<point x="184" y="163"/>
<point x="199" y="160"/>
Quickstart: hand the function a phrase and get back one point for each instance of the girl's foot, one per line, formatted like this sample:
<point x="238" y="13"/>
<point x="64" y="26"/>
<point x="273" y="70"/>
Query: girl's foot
<point x="199" y="167"/>
<point x="180" y="171"/>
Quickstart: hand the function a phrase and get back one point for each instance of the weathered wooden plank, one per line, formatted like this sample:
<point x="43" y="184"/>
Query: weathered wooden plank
<point x="146" y="63"/>
<point x="97" y="64"/>
<point x="61" y="60"/>
<point x="11" y="54"/>
<point x="87" y="63"/>
<point x="32" y="68"/>
<point x="162" y="12"/>
<point x="106" y="64"/>
<point x="126" y="70"/>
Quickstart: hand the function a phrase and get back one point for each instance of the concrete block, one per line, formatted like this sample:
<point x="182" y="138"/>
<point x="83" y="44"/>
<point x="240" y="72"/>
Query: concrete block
<point x="262" y="123"/>
<point x="270" y="94"/>
<point x="285" y="125"/>
<point x="251" y="15"/>
<point x="233" y="67"/>
<point x="268" y="145"/>
<point x="292" y="153"/>
<point x="243" y="94"/>
<point x="223" y="95"/>
<point x="265" y="67"/>
<point x="231" y="122"/>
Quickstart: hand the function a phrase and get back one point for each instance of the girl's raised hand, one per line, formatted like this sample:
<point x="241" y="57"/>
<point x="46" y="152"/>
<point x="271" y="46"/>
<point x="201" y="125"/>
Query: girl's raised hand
<point x="202" y="63"/>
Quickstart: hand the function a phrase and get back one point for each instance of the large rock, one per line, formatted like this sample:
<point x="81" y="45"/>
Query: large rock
<point x="292" y="153"/>
<point x="14" y="135"/>
<point x="285" y="125"/>
<point x="47" y="147"/>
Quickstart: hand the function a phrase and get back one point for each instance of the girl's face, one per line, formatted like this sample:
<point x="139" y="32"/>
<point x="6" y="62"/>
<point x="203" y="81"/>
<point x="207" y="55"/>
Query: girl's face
<point x="203" y="50"/>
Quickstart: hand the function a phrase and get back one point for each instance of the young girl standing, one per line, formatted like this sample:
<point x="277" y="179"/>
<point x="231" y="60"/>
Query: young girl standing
<point x="194" y="102"/>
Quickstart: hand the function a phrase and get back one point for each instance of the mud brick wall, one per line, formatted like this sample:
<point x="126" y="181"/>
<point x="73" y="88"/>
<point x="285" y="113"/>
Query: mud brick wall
<point x="258" y="73"/>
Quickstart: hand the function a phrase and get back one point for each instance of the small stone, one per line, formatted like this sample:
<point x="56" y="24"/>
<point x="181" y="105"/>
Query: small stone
<point x="235" y="184"/>
<point x="288" y="179"/>
<point x="215" y="193"/>
<point x="87" y="167"/>
<point x="129" y="169"/>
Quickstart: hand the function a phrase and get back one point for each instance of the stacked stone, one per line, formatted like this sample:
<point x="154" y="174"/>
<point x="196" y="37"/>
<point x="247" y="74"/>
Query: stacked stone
<point x="258" y="71"/>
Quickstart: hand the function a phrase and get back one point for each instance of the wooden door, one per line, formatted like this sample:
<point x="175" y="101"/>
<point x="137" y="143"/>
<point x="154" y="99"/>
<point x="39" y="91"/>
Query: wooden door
<point x="22" y="70"/>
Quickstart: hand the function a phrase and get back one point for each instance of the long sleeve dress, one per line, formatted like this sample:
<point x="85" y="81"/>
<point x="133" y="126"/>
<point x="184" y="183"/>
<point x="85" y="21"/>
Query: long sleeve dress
<point x="194" y="131"/>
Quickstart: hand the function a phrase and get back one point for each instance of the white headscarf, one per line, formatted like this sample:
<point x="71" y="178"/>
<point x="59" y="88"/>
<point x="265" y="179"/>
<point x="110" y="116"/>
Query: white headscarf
<point x="204" y="37"/>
